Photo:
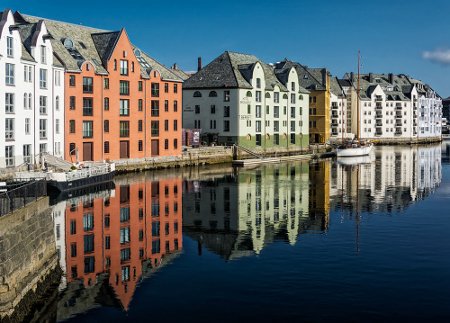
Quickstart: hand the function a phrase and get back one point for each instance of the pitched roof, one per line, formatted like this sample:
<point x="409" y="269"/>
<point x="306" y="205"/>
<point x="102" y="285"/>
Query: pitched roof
<point x="335" y="87"/>
<point x="309" y="78"/>
<point x="105" y="43"/>
<point x="180" y="73"/>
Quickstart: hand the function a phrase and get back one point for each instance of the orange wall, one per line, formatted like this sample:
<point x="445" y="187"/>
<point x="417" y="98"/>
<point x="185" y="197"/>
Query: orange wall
<point x="141" y="196"/>
<point x="122" y="51"/>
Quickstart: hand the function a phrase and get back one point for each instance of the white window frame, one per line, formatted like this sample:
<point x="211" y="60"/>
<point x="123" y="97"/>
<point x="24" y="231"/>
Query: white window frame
<point x="9" y="103"/>
<point x="9" y="74"/>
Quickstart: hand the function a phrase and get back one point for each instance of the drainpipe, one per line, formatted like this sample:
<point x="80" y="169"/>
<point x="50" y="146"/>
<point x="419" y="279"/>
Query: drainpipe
<point x="34" y="115"/>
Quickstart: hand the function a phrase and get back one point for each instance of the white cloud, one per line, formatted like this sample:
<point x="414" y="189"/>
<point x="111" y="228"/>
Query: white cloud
<point x="440" y="55"/>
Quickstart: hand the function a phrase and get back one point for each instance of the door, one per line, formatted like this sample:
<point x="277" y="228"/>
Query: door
<point x="124" y="149"/>
<point x="87" y="151"/>
<point x="155" y="147"/>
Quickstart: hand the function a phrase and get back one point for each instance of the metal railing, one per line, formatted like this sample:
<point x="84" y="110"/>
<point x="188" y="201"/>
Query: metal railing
<point x="19" y="194"/>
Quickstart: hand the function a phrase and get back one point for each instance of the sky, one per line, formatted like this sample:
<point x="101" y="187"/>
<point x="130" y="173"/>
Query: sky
<point x="399" y="36"/>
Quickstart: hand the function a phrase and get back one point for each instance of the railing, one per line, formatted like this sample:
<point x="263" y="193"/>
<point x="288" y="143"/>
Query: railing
<point x="88" y="172"/>
<point x="20" y="194"/>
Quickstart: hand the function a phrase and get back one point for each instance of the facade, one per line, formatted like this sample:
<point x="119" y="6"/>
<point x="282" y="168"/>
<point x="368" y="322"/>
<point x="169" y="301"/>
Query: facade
<point x="31" y="92"/>
<point x="393" y="108"/>
<point x="119" y="102"/>
<point x="341" y="112"/>
<point x="238" y="99"/>
<point x="317" y="82"/>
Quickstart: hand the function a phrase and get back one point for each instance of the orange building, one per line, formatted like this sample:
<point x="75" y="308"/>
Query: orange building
<point x="121" y="235"/>
<point x="119" y="102"/>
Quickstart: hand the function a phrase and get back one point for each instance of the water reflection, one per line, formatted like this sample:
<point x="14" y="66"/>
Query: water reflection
<point x="108" y="241"/>
<point x="393" y="178"/>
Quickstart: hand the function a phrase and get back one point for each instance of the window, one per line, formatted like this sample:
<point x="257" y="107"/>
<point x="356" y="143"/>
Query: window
<point x="166" y="144"/>
<point x="175" y="88"/>
<point x="276" y="126"/>
<point x="276" y="111"/>
<point x="115" y="64"/>
<point x="124" y="129"/>
<point x="140" y="126"/>
<point x="197" y="109"/>
<point x="43" y="104"/>
<point x="226" y="125"/>
<point x="57" y="126"/>
<point x="87" y="129"/>
<point x="72" y="126"/>
<point x="166" y="87"/>
<point x="213" y="94"/>
<point x="27" y="126"/>
<point x="9" y="102"/>
<point x="9" y="129"/>
<point x="258" y="139"/>
<point x="27" y="154"/>
<point x="175" y="143"/>
<point x="27" y="74"/>
<point x="124" y="88"/>
<point x="88" y="222"/>
<point x="293" y="138"/>
<point x="166" y="105"/>
<point x="258" y="126"/>
<point x="155" y="128"/>
<point x="155" y="90"/>
<point x="175" y="106"/>
<point x="89" y="263"/>
<point x="132" y="67"/>
<point x="88" y="107"/>
<point x="10" y="46"/>
<point x="292" y="112"/>
<point x="258" y="97"/>
<point x="123" y="67"/>
<point x="175" y="125"/>
<point x="106" y="147"/>
<point x="140" y="105"/>
<point x="140" y="86"/>
<point x="106" y="83"/>
<point x="258" y="83"/>
<point x="106" y="104"/>
<point x="42" y="128"/>
<point x="9" y="156"/>
<point x="57" y="103"/>
<point x="197" y="94"/>
<point x="43" y="55"/>
<point x="106" y="125"/>
<point x="155" y="108"/>
<point x="72" y="148"/>
<point x="9" y="75"/>
<point x="258" y="111"/>
<point x="57" y="78"/>
<point x="226" y="111"/>
<point x="140" y="145"/>
<point x="72" y="80"/>
<point x="124" y="236"/>
<point x="166" y="125"/>
<point x="124" y="107"/>
<point x="226" y="96"/>
<point x="293" y="98"/>
<point x="43" y="78"/>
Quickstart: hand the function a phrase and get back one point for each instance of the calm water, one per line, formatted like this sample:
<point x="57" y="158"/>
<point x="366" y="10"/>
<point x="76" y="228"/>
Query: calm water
<point x="307" y="241"/>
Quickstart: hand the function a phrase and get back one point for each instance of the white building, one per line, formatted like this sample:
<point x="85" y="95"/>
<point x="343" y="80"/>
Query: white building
<point x="340" y="112"/>
<point x="238" y="99"/>
<point x="394" y="108"/>
<point x="31" y="93"/>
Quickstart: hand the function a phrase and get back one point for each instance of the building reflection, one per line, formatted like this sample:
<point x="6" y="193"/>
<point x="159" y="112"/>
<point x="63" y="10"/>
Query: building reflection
<point x="390" y="180"/>
<point x="108" y="241"/>
<point x="445" y="151"/>
<point x="238" y="215"/>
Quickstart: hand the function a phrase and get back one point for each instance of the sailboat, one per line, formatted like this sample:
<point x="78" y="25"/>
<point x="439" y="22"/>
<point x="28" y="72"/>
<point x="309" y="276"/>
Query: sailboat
<point x="355" y="147"/>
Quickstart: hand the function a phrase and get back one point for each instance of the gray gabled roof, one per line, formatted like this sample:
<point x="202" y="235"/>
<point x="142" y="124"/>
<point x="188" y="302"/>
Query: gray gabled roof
<point x="105" y="43"/>
<point x="336" y="88"/>
<point x="232" y="70"/>
<point x="309" y="78"/>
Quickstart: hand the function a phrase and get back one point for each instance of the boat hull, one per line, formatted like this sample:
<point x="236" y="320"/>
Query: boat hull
<point x="63" y="186"/>
<point x="354" y="152"/>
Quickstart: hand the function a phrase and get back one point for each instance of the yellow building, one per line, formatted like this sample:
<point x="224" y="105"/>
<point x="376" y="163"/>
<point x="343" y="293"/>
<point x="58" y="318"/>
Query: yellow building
<point x="319" y="192"/>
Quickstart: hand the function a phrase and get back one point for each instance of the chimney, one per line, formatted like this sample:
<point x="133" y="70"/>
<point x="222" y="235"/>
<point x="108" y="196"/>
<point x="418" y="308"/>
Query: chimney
<point x="324" y="77"/>
<point x="175" y="66"/>
<point x="199" y="64"/>
<point x="370" y="78"/>
<point x="391" y="78"/>
<point x="352" y="75"/>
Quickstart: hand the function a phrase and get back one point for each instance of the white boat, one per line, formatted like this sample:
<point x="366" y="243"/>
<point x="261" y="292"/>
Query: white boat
<point x="354" y="150"/>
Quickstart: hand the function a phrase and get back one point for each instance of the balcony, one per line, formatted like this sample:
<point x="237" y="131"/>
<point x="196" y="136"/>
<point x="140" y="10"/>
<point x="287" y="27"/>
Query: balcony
<point x="378" y="106"/>
<point x="398" y="123"/>
<point x="334" y="114"/>
<point x="379" y="115"/>
<point x="334" y="123"/>
<point x="334" y="107"/>
<point x="378" y="132"/>
<point x="378" y="99"/>
<point x="379" y="123"/>
<point x="398" y="131"/>
<point x="398" y="115"/>
<point x="398" y="106"/>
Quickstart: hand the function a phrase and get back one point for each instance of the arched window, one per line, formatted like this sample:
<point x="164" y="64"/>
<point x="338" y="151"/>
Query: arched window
<point x="197" y="94"/>
<point x="249" y="94"/>
<point x="213" y="94"/>
<point x="267" y="95"/>
<point x="285" y="96"/>
<point x="57" y="103"/>
<point x="300" y="97"/>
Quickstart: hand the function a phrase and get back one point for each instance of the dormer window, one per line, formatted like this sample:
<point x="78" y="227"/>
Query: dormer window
<point x="292" y="86"/>
<point x="43" y="55"/>
<point x="10" y="46"/>
<point x="258" y="83"/>
<point x="197" y="94"/>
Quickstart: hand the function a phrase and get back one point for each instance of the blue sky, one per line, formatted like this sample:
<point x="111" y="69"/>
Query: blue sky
<point x="401" y="36"/>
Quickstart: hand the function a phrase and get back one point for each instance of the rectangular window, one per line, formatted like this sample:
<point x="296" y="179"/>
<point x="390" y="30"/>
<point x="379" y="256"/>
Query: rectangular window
<point x="175" y="88"/>
<point x="27" y="154"/>
<point x="175" y="125"/>
<point x="88" y="85"/>
<point x="166" y="144"/>
<point x="10" y="46"/>
<point x="226" y="125"/>
<point x="175" y="143"/>
<point x="276" y="97"/>
<point x="124" y="214"/>
<point x="276" y="111"/>
<point x="276" y="126"/>
<point x="175" y="106"/>
<point x="140" y="86"/>
<point x="27" y="74"/>
<point x="106" y="104"/>
<point x="106" y="147"/>
<point x="155" y="128"/>
<point x="140" y="125"/>
<point x="9" y="102"/>
<point x="124" y="129"/>
<point x="43" y="78"/>
<point x="88" y="222"/>
<point x="124" y="235"/>
<point x="106" y="125"/>
<point x="72" y="103"/>
<point x="27" y="126"/>
<point x="258" y="111"/>
<point x="72" y="80"/>
<point x="89" y="264"/>
<point x="166" y="105"/>
<point x="226" y="96"/>
<point x="9" y="129"/>
<point x="9" y="75"/>
<point x="57" y="78"/>
<point x="42" y="128"/>
<point x="43" y="104"/>
<point x="9" y="156"/>
<point x="72" y="126"/>
<point x="155" y="108"/>
<point x="258" y="97"/>
<point x="43" y="55"/>
<point x="293" y="98"/>
<point x="124" y="107"/>
<point x="88" y="107"/>
<point x="292" y="112"/>
<point x="155" y="90"/>
<point x="124" y="88"/>
<point x="123" y="67"/>
<point x="197" y="109"/>
<point x="57" y="126"/>
<point x="87" y="129"/>
<point x="166" y="87"/>
<point x="213" y="109"/>
<point x="140" y="105"/>
<point x="226" y="111"/>
<point x="140" y="145"/>
<point x="166" y="125"/>
<point x="106" y="83"/>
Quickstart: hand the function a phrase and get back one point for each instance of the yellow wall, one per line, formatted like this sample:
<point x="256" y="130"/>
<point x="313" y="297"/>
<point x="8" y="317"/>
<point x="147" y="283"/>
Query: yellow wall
<point x="322" y="115"/>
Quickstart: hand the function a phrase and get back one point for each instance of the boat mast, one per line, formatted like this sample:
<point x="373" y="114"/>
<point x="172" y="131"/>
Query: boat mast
<point x="358" y="89"/>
